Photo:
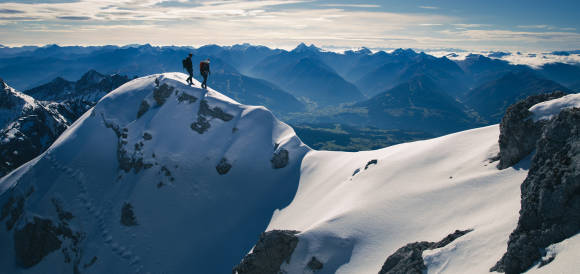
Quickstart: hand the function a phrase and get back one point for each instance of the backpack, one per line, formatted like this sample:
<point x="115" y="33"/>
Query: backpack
<point x="203" y="66"/>
<point x="184" y="63"/>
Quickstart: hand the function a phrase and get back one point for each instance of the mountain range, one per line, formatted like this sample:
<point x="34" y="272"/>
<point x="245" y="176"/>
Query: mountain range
<point x="368" y="95"/>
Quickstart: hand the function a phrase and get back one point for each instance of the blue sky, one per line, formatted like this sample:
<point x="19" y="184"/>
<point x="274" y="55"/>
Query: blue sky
<point x="472" y="25"/>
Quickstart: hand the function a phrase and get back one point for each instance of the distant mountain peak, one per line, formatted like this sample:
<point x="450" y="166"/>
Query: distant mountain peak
<point x="360" y="51"/>
<point x="404" y="52"/>
<point x="304" y="48"/>
<point x="92" y="76"/>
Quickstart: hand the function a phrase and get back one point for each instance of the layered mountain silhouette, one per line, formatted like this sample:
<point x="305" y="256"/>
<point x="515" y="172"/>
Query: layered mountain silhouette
<point x="303" y="74"/>
<point x="491" y="99"/>
<point x="91" y="87"/>
<point x="403" y="65"/>
<point x="418" y="104"/>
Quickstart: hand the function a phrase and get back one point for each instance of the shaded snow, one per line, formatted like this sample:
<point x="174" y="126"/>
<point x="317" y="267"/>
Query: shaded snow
<point x="190" y="218"/>
<point x="566" y="257"/>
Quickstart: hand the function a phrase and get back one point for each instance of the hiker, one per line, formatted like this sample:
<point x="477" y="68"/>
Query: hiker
<point x="188" y="65"/>
<point x="204" y="71"/>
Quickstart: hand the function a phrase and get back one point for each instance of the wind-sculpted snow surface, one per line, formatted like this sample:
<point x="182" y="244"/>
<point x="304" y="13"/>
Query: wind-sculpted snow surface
<point x="350" y="222"/>
<point x="143" y="186"/>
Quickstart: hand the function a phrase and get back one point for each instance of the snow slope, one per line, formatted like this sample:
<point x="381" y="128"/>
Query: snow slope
<point x="419" y="191"/>
<point x="186" y="217"/>
<point x="547" y="110"/>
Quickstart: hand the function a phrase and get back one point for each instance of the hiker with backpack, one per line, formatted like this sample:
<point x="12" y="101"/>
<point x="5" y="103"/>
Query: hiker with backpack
<point x="188" y="65"/>
<point x="204" y="71"/>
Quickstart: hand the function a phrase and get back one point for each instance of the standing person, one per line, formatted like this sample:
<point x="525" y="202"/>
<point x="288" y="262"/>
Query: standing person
<point x="188" y="65"/>
<point x="204" y="71"/>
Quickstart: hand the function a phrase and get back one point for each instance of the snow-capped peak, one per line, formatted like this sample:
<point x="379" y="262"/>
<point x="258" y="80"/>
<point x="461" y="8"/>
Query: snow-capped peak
<point x="158" y="177"/>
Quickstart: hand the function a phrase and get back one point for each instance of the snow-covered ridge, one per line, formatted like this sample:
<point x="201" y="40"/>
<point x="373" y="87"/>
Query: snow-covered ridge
<point x="158" y="177"/>
<point x="547" y="110"/>
<point x="13" y="103"/>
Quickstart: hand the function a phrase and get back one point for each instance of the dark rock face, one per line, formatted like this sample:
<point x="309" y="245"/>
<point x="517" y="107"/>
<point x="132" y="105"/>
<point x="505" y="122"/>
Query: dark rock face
<point x="371" y="162"/>
<point x="144" y="107"/>
<point x="128" y="216"/>
<point x="550" y="210"/>
<point x="13" y="208"/>
<point x="223" y="166"/>
<point x="35" y="241"/>
<point x="216" y="112"/>
<point x="409" y="258"/>
<point x="273" y="248"/>
<point x="201" y="125"/>
<point x="519" y="133"/>
<point x="280" y="159"/>
<point x="314" y="264"/>
<point x="161" y="93"/>
<point x="184" y="97"/>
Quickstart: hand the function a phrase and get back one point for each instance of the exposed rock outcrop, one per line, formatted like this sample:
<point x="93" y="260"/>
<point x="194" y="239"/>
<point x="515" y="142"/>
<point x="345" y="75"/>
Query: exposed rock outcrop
<point x="161" y="93"/>
<point x="273" y="248"/>
<point x="371" y="162"/>
<point x="550" y="206"/>
<point x="143" y="107"/>
<point x="518" y="132"/>
<point x="128" y="215"/>
<point x="202" y="124"/>
<point x="314" y="264"/>
<point x="223" y="166"/>
<point x="280" y="159"/>
<point x="184" y="97"/>
<point x="409" y="258"/>
<point x="34" y="241"/>
<point x="216" y="112"/>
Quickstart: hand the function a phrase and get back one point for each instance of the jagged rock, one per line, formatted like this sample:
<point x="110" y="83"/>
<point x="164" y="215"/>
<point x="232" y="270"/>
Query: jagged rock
<point x="273" y="248"/>
<point x="161" y="93"/>
<point x="34" y="241"/>
<point x="550" y="206"/>
<point x="518" y="132"/>
<point x="371" y="162"/>
<point x="223" y="166"/>
<point x="315" y="264"/>
<point x="280" y="159"/>
<point x="215" y="112"/>
<point x="144" y="107"/>
<point x="63" y="215"/>
<point x="14" y="208"/>
<point x="186" y="97"/>
<point x="201" y="125"/>
<point x="409" y="258"/>
<point x="127" y="215"/>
